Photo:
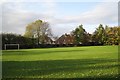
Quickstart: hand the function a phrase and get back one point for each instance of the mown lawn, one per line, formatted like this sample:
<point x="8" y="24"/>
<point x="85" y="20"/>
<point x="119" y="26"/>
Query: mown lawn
<point x="70" y="62"/>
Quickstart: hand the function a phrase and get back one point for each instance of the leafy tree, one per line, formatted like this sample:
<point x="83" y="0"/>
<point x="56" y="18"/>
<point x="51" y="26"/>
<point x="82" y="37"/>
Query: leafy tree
<point x="113" y="37"/>
<point x="107" y="35"/>
<point x="10" y="38"/>
<point x="107" y="30"/>
<point x="81" y="36"/>
<point x="39" y="30"/>
<point x="99" y="35"/>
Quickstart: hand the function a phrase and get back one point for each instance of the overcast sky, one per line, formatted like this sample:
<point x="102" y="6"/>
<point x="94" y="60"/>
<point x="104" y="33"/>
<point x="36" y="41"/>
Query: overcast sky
<point x="63" y="16"/>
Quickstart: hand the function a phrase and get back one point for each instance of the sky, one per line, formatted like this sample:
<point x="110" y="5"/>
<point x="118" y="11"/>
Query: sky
<point x="62" y="15"/>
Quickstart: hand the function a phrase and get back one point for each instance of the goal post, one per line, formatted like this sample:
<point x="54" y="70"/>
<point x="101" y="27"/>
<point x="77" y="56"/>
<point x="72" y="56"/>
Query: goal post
<point x="18" y="46"/>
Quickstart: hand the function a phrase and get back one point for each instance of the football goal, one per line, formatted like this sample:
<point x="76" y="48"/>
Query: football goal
<point x="12" y="46"/>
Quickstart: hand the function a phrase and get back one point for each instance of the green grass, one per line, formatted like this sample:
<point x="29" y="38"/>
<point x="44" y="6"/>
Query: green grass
<point x="71" y="62"/>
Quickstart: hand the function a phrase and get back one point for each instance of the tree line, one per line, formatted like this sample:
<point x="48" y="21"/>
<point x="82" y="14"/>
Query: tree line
<point x="39" y="33"/>
<point x="103" y="35"/>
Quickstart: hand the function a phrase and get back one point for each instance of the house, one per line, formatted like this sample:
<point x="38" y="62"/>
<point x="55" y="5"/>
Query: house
<point x="65" y="39"/>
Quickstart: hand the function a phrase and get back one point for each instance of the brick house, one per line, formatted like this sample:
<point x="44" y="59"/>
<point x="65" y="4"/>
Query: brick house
<point x="65" y="39"/>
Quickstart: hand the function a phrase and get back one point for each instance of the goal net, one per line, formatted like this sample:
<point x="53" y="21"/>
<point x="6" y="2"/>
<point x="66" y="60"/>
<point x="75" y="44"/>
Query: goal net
<point x="11" y="46"/>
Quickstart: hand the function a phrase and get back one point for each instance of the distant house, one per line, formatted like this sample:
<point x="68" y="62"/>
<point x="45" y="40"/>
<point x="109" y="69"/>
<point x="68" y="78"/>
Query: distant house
<point x="65" y="39"/>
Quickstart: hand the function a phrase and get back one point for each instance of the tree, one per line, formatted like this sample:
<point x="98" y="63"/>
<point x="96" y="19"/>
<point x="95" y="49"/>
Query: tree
<point x="81" y="36"/>
<point x="99" y="35"/>
<point x="113" y="36"/>
<point x="107" y="35"/>
<point x="38" y="30"/>
<point x="10" y="38"/>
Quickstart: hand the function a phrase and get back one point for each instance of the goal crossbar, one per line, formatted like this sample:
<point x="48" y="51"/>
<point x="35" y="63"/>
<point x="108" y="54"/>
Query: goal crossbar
<point x="11" y="45"/>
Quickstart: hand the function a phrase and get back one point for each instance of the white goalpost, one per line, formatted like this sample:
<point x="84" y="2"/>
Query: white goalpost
<point x="18" y="46"/>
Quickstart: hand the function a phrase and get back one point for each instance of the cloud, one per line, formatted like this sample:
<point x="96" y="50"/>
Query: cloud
<point x="16" y="17"/>
<point x="49" y="6"/>
<point x="105" y="13"/>
<point x="17" y="21"/>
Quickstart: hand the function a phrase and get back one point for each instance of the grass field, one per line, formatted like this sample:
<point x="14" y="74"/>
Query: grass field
<point x="71" y="62"/>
